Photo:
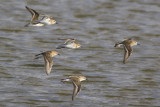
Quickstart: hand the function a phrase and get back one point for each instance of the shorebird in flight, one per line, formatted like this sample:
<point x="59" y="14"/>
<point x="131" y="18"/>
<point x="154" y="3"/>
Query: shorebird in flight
<point x="127" y="44"/>
<point x="76" y="80"/>
<point x="35" y="21"/>
<point x="69" y="43"/>
<point x="48" y="59"/>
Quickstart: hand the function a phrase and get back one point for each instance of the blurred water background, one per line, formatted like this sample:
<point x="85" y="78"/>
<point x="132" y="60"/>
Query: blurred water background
<point x="97" y="25"/>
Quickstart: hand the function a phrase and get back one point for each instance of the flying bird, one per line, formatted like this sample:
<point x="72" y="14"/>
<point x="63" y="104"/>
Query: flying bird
<point x="48" y="59"/>
<point x="127" y="45"/>
<point x="76" y="80"/>
<point x="69" y="43"/>
<point x="35" y="21"/>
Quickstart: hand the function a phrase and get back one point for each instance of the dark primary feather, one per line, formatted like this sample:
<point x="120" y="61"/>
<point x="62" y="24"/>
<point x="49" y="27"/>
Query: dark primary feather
<point x="34" y="14"/>
<point x="77" y="87"/>
<point x="125" y="54"/>
<point x="38" y="56"/>
<point x="129" y="48"/>
<point x="48" y="62"/>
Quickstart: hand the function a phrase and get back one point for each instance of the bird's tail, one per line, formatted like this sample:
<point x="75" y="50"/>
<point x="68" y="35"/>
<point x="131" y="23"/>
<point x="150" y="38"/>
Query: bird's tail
<point x="117" y="45"/>
<point x="38" y="56"/>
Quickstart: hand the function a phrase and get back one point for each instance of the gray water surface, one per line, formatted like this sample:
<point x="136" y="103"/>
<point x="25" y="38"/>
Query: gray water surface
<point x="97" y="25"/>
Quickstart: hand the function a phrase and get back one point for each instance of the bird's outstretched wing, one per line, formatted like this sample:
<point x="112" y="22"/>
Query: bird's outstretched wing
<point x="48" y="63"/>
<point x="34" y="14"/>
<point x="127" y="52"/>
<point x="77" y="87"/>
